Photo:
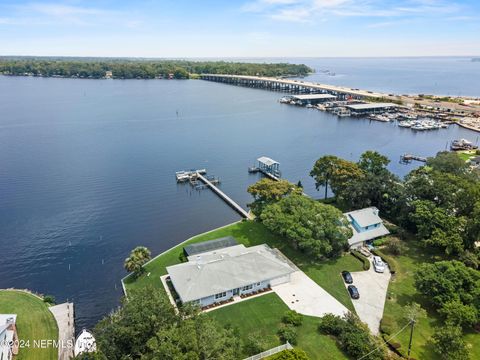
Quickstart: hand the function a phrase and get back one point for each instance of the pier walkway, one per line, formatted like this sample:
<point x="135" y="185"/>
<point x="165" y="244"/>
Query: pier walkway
<point x="63" y="314"/>
<point x="292" y="86"/>
<point x="224" y="196"/>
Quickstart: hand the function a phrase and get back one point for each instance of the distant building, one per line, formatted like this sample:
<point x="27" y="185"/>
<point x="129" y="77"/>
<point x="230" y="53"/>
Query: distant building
<point x="8" y="336"/>
<point x="366" y="225"/>
<point x="108" y="74"/>
<point x="214" y="276"/>
<point x="371" y="108"/>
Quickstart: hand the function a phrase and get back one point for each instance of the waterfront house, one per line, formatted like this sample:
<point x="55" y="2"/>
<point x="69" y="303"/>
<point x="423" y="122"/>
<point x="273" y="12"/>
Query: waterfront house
<point x="222" y="274"/>
<point x="366" y="225"/>
<point x="8" y="336"/>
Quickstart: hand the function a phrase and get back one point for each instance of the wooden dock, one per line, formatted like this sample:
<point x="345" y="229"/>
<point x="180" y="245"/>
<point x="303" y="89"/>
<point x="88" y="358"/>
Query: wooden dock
<point x="224" y="197"/>
<point x="408" y="158"/>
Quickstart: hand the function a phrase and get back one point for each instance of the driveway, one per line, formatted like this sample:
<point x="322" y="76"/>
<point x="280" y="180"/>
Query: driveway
<point x="305" y="296"/>
<point x="373" y="288"/>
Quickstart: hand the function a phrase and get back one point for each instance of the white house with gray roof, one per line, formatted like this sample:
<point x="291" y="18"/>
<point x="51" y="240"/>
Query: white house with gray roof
<point x="221" y="274"/>
<point x="8" y="336"/>
<point x="366" y="225"/>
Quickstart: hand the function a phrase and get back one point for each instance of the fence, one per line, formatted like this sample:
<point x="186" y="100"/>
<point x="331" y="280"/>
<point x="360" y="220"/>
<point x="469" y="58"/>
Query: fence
<point x="269" y="352"/>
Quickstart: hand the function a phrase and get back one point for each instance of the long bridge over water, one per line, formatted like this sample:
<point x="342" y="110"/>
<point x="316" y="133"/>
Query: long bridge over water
<point x="292" y="86"/>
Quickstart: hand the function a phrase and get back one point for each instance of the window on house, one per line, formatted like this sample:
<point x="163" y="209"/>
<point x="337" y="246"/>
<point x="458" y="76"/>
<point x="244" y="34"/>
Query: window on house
<point x="257" y="284"/>
<point x="220" y="295"/>
<point x="248" y="287"/>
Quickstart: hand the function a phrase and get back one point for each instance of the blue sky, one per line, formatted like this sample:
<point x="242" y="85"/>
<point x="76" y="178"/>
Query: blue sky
<point x="240" y="28"/>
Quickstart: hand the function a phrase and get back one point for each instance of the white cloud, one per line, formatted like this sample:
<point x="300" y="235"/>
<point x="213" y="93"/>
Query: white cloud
<point x="307" y="10"/>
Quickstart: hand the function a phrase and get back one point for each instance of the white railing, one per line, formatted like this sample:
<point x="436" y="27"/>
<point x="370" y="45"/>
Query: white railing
<point x="269" y="352"/>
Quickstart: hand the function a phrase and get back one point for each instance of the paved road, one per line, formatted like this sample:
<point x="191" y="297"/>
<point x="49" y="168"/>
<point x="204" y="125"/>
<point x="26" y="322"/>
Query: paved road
<point x="373" y="288"/>
<point x="305" y="296"/>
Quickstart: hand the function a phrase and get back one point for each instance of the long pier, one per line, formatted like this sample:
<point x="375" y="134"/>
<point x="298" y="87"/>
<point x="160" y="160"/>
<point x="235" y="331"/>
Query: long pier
<point x="292" y="86"/>
<point x="224" y="196"/>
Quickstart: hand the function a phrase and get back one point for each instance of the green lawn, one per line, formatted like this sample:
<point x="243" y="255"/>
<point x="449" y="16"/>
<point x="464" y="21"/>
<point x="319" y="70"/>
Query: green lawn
<point x="402" y="291"/>
<point x="466" y="154"/>
<point x="249" y="233"/>
<point x="34" y="322"/>
<point x="263" y="315"/>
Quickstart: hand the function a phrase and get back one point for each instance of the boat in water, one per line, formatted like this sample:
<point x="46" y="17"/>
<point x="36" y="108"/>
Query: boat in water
<point x="85" y="343"/>
<point x="405" y="124"/>
<point x="462" y="144"/>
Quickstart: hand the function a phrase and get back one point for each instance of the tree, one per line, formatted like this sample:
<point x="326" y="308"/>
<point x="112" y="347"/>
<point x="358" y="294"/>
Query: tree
<point x="458" y="314"/>
<point x="438" y="226"/>
<point x="138" y="257"/>
<point x="194" y="338"/>
<point x="449" y="344"/>
<point x="373" y="162"/>
<point x="288" y="333"/>
<point x="446" y="281"/>
<point x="267" y="191"/>
<point x="126" y="331"/>
<point x="332" y="171"/>
<point x="317" y="229"/>
<point x="255" y="344"/>
<point x="147" y="327"/>
<point x="353" y="336"/>
<point x="448" y="162"/>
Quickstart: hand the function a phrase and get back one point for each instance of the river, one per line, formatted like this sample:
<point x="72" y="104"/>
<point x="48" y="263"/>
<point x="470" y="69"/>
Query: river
<point x="87" y="170"/>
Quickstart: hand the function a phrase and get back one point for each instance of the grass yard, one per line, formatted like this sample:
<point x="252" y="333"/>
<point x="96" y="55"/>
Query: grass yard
<point x="249" y="233"/>
<point x="34" y="322"/>
<point x="402" y="291"/>
<point x="466" y="154"/>
<point x="263" y="316"/>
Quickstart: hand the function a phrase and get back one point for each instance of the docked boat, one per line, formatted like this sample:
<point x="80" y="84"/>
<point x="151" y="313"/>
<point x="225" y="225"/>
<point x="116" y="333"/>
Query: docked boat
<point x="418" y="126"/>
<point x="410" y="116"/>
<point x="462" y="144"/>
<point x="85" y="343"/>
<point x="284" y="100"/>
<point x="405" y="124"/>
<point x="342" y="112"/>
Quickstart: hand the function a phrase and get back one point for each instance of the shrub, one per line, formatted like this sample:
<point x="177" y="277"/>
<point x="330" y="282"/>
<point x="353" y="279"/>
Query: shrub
<point x="380" y="242"/>
<point x="288" y="333"/>
<point x="387" y="324"/>
<point x="49" y="299"/>
<point x="293" y="318"/>
<point x="395" y="246"/>
<point x="392" y="265"/>
<point x="293" y="354"/>
<point x="359" y="256"/>
<point x="255" y="344"/>
<point x="331" y="325"/>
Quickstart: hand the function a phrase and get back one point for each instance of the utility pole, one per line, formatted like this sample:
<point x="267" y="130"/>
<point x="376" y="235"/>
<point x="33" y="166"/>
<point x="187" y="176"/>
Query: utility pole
<point x="412" y="324"/>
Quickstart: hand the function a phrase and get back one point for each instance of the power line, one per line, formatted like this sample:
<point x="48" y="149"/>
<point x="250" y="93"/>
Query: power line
<point x="385" y="344"/>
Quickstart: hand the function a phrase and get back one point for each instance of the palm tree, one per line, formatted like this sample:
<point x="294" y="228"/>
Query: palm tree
<point x="138" y="257"/>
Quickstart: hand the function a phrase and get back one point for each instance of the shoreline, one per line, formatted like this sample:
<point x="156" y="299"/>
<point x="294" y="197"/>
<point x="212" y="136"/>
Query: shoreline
<point x="469" y="127"/>
<point x="173" y="247"/>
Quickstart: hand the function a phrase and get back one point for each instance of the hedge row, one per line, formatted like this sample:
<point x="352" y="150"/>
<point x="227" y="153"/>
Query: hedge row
<point x="392" y="265"/>
<point x="362" y="258"/>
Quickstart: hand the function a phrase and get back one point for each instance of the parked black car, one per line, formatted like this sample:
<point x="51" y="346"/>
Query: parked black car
<point x="352" y="289"/>
<point x="347" y="277"/>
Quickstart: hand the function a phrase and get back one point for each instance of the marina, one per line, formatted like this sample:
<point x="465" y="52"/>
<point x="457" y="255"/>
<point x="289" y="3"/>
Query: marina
<point x="103" y="177"/>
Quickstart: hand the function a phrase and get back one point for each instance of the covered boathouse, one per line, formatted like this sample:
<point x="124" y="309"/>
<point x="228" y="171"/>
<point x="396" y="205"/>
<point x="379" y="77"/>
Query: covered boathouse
<point x="371" y="108"/>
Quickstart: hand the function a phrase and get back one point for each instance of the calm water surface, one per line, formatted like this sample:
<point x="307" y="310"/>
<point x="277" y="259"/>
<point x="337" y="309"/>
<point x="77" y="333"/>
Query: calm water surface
<point x="87" y="170"/>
